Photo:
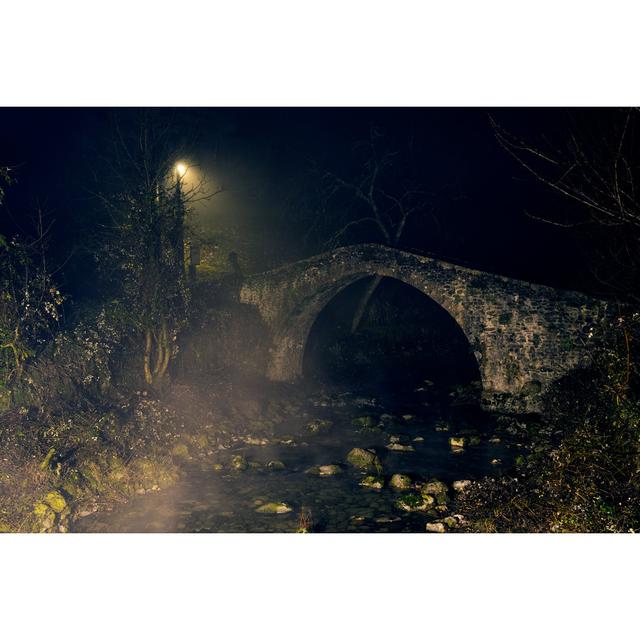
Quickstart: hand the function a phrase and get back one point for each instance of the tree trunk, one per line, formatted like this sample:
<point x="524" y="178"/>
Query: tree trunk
<point x="364" y="301"/>
<point x="147" y="357"/>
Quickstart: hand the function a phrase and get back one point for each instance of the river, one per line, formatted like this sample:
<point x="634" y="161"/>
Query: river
<point x="410" y="435"/>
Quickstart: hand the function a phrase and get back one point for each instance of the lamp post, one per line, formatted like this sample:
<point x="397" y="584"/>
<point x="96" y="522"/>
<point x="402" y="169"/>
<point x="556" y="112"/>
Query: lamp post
<point x="180" y="169"/>
<point x="190" y="250"/>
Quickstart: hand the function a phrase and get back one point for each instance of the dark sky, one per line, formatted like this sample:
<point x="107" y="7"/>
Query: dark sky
<point x="263" y="156"/>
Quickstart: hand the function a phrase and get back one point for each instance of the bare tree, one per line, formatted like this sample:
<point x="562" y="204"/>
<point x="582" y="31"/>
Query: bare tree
<point x="598" y="168"/>
<point x="5" y="180"/>
<point x="377" y="202"/>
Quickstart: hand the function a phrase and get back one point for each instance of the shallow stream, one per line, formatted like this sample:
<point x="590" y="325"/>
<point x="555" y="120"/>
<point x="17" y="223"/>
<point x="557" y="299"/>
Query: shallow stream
<point x="214" y="499"/>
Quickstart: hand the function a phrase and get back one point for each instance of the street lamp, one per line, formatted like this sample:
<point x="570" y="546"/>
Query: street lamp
<point x="181" y="169"/>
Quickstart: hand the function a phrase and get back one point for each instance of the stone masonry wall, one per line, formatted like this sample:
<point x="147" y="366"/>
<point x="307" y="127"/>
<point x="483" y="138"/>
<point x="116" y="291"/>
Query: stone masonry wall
<point x="523" y="335"/>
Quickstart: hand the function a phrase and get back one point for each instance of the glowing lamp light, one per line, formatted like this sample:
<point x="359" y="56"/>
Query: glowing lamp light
<point x="181" y="169"/>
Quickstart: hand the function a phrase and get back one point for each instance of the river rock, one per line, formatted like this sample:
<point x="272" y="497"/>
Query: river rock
<point x="434" y="487"/>
<point x="318" y="426"/>
<point x="239" y="463"/>
<point x="435" y="527"/>
<point x="400" y="481"/>
<point x="180" y="451"/>
<point x="324" y="470"/>
<point x="256" y="442"/>
<point x="372" y="482"/>
<point x="457" y="442"/>
<point x="364" y="421"/>
<point x="364" y="460"/>
<point x="414" y="502"/>
<point x="275" y="465"/>
<point x="461" y="485"/>
<point x="274" y="507"/>
<point x="396" y="446"/>
<point x="56" y="501"/>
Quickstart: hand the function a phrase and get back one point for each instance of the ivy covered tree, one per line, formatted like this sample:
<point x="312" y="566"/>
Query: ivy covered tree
<point x="142" y="251"/>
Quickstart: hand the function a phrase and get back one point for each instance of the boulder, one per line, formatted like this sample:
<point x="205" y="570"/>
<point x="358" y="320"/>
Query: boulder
<point x="275" y="465"/>
<point x="457" y="442"/>
<point x="435" y="527"/>
<point x="364" y="460"/>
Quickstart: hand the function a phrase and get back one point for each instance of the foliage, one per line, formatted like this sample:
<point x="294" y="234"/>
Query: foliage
<point x="582" y="469"/>
<point x="143" y="250"/>
<point x="29" y="302"/>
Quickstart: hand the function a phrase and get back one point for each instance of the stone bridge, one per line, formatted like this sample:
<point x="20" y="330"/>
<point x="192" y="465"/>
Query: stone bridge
<point x="524" y="336"/>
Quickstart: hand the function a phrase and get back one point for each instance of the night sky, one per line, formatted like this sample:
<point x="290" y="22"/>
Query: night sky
<point x="263" y="159"/>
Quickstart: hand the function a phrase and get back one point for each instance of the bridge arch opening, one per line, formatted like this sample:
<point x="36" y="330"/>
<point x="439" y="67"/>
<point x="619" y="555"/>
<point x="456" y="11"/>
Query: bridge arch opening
<point x="404" y="339"/>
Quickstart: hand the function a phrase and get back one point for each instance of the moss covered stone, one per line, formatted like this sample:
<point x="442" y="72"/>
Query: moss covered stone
<point x="434" y="487"/>
<point x="414" y="502"/>
<point x="364" y="421"/>
<point x="372" y="482"/>
<point x="56" y="501"/>
<point x="319" y="426"/>
<point x="180" y="451"/>
<point x="274" y="508"/>
<point x="239" y="463"/>
<point x="400" y="481"/>
<point x="364" y="460"/>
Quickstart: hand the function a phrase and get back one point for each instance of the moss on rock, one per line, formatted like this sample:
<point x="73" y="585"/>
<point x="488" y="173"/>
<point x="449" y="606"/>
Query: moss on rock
<point x="364" y="460"/>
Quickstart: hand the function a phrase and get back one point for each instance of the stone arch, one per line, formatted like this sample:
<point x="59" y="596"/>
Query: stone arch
<point x="441" y="351"/>
<point x="290" y="341"/>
